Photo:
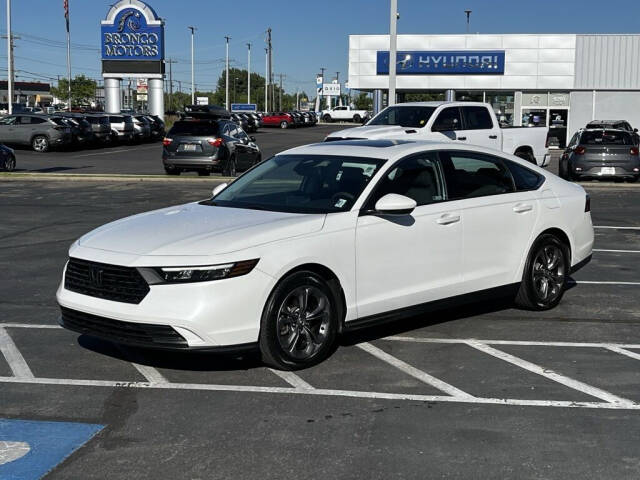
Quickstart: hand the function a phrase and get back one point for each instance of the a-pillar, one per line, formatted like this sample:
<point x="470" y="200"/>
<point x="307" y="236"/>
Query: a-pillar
<point x="156" y="96"/>
<point x="112" y="95"/>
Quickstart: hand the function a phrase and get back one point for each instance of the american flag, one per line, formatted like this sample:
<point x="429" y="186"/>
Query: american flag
<point x="65" y="4"/>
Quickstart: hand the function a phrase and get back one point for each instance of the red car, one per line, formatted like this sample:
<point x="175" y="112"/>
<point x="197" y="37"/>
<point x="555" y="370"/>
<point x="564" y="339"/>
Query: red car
<point x="277" y="119"/>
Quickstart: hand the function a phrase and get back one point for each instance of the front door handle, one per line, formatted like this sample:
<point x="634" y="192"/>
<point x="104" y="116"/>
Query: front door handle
<point x="461" y="138"/>
<point x="523" y="207"/>
<point x="493" y="137"/>
<point x="447" y="219"/>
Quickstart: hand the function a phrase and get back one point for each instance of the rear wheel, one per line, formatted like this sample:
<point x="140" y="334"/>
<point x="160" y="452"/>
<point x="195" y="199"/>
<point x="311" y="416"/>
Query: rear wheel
<point x="171" y="171"/>
<point x="40" y="143"/>
<point x="203" y="173"/>
<point x="299" y="323"/>
<point x="356" y="118"/>
<point x="545" y="274"/>
<point x="230" y="168"/>
<point x="563" y="169"/>
<point x="284" y="124"/>
<point x="327" y="118"/>
<point x="526" y="155"/>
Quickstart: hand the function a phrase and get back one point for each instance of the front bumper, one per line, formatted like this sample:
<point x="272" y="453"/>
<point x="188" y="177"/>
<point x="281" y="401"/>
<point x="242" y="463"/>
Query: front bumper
<point x="205" y="315"/>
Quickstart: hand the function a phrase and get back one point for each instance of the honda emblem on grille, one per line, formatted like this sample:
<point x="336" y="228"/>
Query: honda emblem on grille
<point x="95" y="275"/>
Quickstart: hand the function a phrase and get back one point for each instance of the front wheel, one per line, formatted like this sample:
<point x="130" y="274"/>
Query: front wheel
<point x="327" y="118"/>
<point x="299" y="323"/>
<point x="356" y="118"/>
<point x="545" y="274"/>
<point x="284" y="124"/>
<point x="40" y="143"/>
<point x="10" y="163"/>
<point x="230" y="168"/>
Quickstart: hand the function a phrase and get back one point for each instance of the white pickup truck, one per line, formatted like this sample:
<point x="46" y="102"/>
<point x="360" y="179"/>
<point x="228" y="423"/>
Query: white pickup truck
<point x="344" y="113"/>
<point x="470" y="123"/>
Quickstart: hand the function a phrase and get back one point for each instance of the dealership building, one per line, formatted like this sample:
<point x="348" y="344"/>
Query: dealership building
<point x="559" y="81"/>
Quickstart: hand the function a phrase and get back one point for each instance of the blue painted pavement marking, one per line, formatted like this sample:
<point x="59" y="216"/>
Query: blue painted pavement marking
<point x="30" y="449"/>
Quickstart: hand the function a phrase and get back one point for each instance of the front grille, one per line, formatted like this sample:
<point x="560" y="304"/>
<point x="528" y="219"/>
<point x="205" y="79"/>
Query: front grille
<point x="111" y="282"/>
<point x="142" y="334"/>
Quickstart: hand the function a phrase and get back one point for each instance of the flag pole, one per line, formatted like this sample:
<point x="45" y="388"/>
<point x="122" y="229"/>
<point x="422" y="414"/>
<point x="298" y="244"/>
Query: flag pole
<point x="66" y="15"/>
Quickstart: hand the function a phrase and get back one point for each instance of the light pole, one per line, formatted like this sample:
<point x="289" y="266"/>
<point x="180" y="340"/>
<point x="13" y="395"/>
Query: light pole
<point x="9" y="60"/>
<point x="468" y="13"/>
<point x="393" y="40"/>
<point x="193" y="78"/>
<point x="249" y="73"/>
<point x="234" y="89"/>
<point x="226" y="81"/>
<point x="266" y="80"/>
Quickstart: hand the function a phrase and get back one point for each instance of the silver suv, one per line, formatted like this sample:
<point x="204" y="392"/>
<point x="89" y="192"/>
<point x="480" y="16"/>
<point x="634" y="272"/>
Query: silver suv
<point x="38" y="131"/>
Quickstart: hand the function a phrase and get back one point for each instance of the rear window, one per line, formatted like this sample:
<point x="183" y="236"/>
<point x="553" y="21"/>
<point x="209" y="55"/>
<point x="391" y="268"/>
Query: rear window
<point x="116" y="119"/>
<point x="196" y="129"/>
<point x="606" y="137"/>
<point x="524" y="178"/>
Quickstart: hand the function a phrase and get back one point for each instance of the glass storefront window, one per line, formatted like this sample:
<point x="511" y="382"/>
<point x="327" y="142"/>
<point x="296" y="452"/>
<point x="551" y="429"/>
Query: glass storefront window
<point x="472" y="96"/>
<point x="502" y="103"/>
<point x="534" y="117"/>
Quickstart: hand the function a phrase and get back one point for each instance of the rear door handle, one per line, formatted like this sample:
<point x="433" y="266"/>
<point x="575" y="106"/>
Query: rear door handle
<point x="448" y="218"/>
<point x="493" y="137"/>
<point x="461" y="138"/>
<point x="523" y="207"/>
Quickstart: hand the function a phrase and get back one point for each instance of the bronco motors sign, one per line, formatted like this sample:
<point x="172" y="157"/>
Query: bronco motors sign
<point x="443" y="62"/>
<point x="132" y="40"/>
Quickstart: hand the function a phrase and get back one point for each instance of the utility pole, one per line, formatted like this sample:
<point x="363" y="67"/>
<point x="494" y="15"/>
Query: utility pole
<point x="339" y="99"/>
<point x="270" y="73"/>
<point x="9" y="59"/>
<point x="226" y="81"/>
<point x="468" y="13"/>
<point x="249" y="73"/>
<point x="170" y="62"/>
<point x="393" y="40"/>
<point x="193" y="81"/>
<point x="281" y="76"/>
<point x="266" y="80"/>
<point x="66" y="6"/>
<point x="322" y="69"/>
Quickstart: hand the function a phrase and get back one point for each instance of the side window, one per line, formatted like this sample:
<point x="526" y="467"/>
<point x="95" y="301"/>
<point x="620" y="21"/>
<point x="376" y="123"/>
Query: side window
<point x="524" y="178"/>
<point x="470" y="175"/>
<point x="24" y="120"/>
<point x="8" y="121"/>
<point x="477" y="118"/>
<point x="36" y="120"/>
<point x="448" y="120"/>
<point x="574" y="140"/>
<point x="226" y="131"/>
<point x="416" y="177"/>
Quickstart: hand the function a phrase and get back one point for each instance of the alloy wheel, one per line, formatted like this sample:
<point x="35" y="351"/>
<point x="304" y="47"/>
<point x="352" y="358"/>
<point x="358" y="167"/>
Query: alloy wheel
<point x="548" y="273"/>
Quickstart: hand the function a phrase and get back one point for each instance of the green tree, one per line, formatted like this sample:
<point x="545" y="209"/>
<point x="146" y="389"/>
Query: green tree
<point x="83" y="90"/>
<point x="363" y="102"/>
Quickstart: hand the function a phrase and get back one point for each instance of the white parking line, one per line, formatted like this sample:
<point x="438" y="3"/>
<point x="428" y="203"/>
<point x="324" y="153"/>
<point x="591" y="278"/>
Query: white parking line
<point x="413" y="371"/>
<point x="324" y="392"/>
<point x="13" y="356"/>
<point x="398" y="338"/>
<point x="151" y="374"/>
<point x="615" y="251"/>
<point x="622" y="351"/>
<point x="292" y="379"/>
<point x="596" y="282"/>
<point x="114" y="151"/>
<point x="616" y="228"/>
<point x="550" y="374"/>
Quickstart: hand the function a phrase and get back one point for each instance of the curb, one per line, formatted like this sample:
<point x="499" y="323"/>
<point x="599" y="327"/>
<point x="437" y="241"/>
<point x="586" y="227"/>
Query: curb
<point x="80" y="177"/>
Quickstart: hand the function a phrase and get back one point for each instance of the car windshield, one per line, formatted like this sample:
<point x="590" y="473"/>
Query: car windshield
<point x="301" y="184"/>
<point x="406" y="116"/>
<point x="58" y="121"/>
<point x="194" y="128"/>
<point x="606" y="137"/>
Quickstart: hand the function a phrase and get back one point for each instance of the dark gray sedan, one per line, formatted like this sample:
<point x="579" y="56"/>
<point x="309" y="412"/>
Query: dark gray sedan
<point x="601" y="153"/>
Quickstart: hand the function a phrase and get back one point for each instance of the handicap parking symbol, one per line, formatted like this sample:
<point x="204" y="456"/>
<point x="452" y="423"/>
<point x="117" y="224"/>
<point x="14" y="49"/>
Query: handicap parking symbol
<point x="30" y="449"/>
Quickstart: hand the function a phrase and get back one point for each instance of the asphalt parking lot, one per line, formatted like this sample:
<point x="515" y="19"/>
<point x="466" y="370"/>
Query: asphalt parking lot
<point x="486" y="391"/>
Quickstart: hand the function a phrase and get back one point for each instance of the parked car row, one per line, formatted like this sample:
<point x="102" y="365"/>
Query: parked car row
<point x="43" y="132"/>
<point x="603" y="149"/>
<point x="289" y="119"/>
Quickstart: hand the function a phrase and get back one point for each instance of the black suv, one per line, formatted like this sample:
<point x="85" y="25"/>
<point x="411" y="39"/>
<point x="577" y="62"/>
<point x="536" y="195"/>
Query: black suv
<point x="208" y="145"/>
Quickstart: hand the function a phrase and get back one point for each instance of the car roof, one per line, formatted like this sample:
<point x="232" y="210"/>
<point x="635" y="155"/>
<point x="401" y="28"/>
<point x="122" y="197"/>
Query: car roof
<point x="441" y="102"/>
<point x="607" y="122"/>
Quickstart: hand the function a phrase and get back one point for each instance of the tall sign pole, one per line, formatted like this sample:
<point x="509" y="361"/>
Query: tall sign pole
<point x="193" y="77"/>
<point x="393" y="40"/>
<point x="226" y="81"/>
<point x="9" y="59"/>
<point x="66" y="16"/>
<point x="249" y="73"/>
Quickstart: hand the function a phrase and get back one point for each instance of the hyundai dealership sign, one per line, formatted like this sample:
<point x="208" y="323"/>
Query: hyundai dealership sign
<point x="443" y="62"/>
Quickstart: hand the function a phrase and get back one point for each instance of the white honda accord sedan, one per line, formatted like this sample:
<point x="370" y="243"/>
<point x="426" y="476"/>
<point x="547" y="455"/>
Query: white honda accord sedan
<point x="325" y="238"/>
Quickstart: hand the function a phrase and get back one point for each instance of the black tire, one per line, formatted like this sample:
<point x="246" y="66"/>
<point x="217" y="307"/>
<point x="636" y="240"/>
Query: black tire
<point x="287" y="338"/>
<point x="171" y="171"/>
<point x="327" y="118"/>
<point x="230" y="169"/>
<point x="10" y="163"/>
<point x="563" y="171"/>
<point x="356" y="118"/>
<point x="203" y="173"/>
<point x="258" y="159"/>
<point x="547" y="249"/>
<point x="40" y="144"/>
<point x="284" y="124"/>
<point x="526" y="155"/>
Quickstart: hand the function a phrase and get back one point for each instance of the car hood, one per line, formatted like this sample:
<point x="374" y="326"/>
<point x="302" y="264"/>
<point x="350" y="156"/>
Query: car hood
<point x="198" y="230"/>
<point x="373" y="131"/>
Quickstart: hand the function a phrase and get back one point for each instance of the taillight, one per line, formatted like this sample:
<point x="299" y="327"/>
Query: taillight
<point x="634" y="151"/>
<point x="587" y="204"/>
<point x="167" y="141"/>
<point x="580" y="150"/>
<point x="214" y="142"/>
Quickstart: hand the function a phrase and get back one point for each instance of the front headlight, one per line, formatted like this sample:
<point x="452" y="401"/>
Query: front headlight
<point x="200" y="273"/>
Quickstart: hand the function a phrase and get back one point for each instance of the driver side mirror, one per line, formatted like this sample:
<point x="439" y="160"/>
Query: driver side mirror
<point x="446" y="125"/>
<point x="252" y="138"/>
<point x="394" y="204"/>
<point x="219" y="188"/>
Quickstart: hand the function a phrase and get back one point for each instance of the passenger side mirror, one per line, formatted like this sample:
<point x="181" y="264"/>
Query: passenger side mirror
<point x="253" y="139"/>
<point x="394" y="204"/>
<point x="219" y="188"/>
<point x="635" y="130"/>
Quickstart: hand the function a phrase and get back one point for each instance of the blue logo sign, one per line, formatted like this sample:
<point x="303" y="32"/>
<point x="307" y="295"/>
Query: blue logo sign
<point x="244" y="107"/>
<point x="30" y="449"/>
<point x="444" y="62"/>
<point x="131" y="38"/>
